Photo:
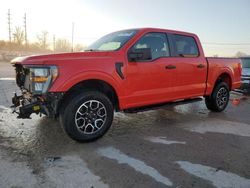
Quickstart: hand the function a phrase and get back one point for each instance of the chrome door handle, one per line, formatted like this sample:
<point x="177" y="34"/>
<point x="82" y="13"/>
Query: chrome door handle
<point x="200" y="66"/>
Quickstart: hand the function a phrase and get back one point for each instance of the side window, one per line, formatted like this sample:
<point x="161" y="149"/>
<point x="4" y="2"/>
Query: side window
<point x="157" y="42"/>
<point x="185" y="46"/>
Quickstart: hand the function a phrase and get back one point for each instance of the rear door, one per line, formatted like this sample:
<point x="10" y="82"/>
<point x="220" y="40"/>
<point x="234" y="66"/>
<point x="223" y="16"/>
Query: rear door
<point x="191" y="67"/>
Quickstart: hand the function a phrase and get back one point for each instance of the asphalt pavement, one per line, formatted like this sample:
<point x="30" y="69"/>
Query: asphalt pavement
<point x="182" y="146"/>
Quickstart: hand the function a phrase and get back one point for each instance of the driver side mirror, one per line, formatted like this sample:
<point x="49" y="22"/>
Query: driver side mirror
<point x="141" y="54"/>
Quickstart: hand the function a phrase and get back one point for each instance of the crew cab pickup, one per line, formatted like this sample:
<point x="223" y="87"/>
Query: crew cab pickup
<point x="129" y="71"/>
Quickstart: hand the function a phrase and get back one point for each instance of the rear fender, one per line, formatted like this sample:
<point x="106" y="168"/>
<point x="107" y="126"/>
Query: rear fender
<point x="215" y="76"/>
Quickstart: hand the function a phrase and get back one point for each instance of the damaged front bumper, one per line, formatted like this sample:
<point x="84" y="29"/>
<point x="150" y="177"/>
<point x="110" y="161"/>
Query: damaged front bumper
<point x="34" y="82"/>
<point x="27" y="104"/>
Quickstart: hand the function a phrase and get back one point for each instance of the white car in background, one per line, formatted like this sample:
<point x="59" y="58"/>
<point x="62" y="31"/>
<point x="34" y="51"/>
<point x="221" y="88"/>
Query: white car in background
<point x="245" y="74"/>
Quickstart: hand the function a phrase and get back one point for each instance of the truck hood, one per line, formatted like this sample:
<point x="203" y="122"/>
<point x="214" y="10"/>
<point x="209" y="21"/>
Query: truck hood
<point x="44" y="59"/>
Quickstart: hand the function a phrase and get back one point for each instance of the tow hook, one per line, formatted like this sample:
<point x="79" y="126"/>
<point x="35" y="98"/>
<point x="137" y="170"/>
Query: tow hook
<point x="27" y="110"/>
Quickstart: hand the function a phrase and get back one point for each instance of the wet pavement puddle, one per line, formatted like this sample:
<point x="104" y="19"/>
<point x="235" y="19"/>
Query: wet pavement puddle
<point x="213" y="125"/>
<point x="163" y="140"/>
<point x="71" y="171"/>
<point x="139" y="166"/>
<point x="218" y="178"/>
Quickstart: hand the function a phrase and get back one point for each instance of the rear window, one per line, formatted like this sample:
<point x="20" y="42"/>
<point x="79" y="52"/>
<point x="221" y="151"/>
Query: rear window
<point x="185" y="46"/>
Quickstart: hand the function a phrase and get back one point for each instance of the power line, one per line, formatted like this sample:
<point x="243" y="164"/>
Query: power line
<point x="72" y="39"/>
<point x="228" y="44"/>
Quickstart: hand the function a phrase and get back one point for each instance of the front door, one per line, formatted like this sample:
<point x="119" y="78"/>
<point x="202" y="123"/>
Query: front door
<point x="150" y="81"/>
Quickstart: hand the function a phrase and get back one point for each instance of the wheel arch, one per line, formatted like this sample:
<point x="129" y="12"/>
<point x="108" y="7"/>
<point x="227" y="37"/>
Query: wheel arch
<point x="92" y="85"/>
<point x="224" y="77"/>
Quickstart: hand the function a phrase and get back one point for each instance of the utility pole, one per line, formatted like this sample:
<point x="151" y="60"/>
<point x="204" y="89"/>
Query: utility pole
<point x="25" y="30"/>
<point x="9" y="25"/>
<point x="54" y="43"/>
<point x="72" y="40"/>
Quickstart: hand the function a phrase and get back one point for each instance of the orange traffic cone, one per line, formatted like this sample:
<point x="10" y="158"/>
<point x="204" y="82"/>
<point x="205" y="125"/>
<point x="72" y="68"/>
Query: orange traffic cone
<point x="236" y="102"/>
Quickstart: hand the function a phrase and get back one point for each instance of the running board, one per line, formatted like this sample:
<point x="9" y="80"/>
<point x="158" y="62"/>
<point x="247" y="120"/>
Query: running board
<point x="158" y="106"/>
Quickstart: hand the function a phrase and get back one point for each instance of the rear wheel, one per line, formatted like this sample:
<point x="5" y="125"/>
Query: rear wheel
<point x="219" y="99"/>
<point x="87" y="116"/>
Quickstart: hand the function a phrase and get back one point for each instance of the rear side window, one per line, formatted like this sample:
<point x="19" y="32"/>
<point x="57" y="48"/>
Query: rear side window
<point x="184" y="46"/>
<point x="157" y="42"/>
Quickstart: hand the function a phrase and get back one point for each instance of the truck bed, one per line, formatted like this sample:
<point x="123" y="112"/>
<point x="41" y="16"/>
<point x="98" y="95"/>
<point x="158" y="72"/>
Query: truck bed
<point x="217" y="66"/>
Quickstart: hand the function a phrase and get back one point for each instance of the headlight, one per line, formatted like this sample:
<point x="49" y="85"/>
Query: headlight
<point x="42" y="77"/>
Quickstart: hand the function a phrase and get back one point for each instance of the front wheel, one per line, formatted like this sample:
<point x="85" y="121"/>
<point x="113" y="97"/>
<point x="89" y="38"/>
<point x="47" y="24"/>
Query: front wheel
<point x="87" y="116"/>
<point x="219" y="99"/>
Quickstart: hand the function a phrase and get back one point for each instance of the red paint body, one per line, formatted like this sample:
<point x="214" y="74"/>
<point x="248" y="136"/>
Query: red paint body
<point x="145" y="83"/>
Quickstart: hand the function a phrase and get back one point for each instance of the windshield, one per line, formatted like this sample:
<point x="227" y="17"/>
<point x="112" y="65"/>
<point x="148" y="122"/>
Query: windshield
<point x="112" y="42"/>
<point x="245" y="63"/>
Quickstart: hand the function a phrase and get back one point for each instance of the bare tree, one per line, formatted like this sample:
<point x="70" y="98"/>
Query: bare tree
<point x="43" y="41"/>
<point x="18" y="36"/>
<point x="2" y="44"/>
<point x="79" y="48"/>
<point x="240" y="54"/>
<point x="63" y="45"/>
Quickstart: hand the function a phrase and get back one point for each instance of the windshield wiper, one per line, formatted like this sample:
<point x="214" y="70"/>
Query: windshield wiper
<point x="90" y="50"/>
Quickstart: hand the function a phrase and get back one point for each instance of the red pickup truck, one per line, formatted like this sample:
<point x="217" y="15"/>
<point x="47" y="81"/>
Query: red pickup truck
<point x="127" y="71"/>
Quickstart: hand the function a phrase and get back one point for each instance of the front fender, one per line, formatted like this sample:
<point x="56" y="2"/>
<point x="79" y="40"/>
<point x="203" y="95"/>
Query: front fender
<point x="62" y="85"/>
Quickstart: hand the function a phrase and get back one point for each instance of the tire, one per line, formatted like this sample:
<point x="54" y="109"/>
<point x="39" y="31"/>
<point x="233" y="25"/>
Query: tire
<point x="219" y="99"/>
<point x="87" y="116"/>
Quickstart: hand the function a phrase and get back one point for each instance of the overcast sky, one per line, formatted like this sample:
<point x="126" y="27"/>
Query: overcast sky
<point x="215" y="21"/>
